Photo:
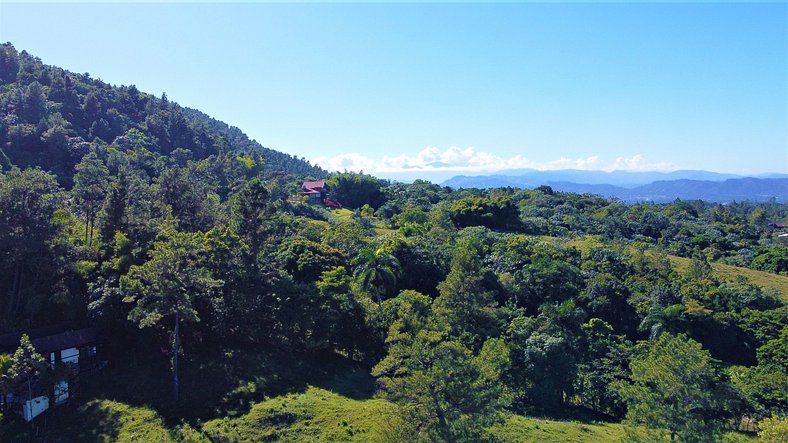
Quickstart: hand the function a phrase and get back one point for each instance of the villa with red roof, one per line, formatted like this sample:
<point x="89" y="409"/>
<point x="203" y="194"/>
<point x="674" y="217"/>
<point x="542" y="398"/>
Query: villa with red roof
<point x="317" y="191"/>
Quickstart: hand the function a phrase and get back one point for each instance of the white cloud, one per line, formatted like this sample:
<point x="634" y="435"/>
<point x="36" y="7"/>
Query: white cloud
<point x="432" y="159"/>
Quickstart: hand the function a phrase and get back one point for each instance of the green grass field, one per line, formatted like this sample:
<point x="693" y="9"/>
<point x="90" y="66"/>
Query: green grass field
<point x="250" y="396"/>
<point x="316" y="415"/>
<point x="377" y="223"/>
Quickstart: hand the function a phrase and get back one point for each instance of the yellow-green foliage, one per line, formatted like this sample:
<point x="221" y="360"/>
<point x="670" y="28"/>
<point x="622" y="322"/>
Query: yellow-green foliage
<point x="774" y="429"/>
<point x="316" y="415"/>
<point x="246" y="161"/>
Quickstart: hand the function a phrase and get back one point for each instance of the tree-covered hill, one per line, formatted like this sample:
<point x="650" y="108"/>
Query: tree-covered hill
<point x="229" y="310"/>
<point x="50" y="118"/>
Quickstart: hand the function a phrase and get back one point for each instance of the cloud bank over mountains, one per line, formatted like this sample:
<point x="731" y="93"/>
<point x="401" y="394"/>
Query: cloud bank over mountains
<point x="456" y="159"/>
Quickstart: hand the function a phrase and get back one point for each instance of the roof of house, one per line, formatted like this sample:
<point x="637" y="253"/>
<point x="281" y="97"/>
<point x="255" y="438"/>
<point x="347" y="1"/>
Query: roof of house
<point x="54" y="341"/>
<point x="314" y="185"/>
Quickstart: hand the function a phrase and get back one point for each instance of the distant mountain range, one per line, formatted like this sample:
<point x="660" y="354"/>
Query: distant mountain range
<point x="640" y="186"/>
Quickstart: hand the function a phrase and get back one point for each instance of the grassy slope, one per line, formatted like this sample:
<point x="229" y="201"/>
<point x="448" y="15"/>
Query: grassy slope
<point x="254" y="396"/>
<point x="776" y="282"/>
<point x="519" y="429"/>
<point x="730" y="273"/>
<point x="377" y="223"/>
<point x="316" y="415"/>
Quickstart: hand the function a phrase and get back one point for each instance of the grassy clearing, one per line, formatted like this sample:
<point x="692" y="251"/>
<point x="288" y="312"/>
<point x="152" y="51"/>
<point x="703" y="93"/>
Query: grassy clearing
<point x="94" y="420"/>
<point x="111" y="421"/>
<point x="778" y="283"/>
<point x="342" y="214"/>
<point x="316" y="415"/>
<point x="519" y="429"/>
<point x="583" y="244"/>
<point x="378" y="223"/>
<point x="339" y="411"/>
<point x="133" y="398"/>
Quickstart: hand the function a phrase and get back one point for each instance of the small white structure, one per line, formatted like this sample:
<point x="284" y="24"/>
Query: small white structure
<point x="34" y="407"/>
<point x="61" y="392"/>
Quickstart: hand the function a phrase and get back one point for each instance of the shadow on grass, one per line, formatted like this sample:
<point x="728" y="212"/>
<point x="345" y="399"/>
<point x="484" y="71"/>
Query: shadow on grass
<point x="225" y="383"/>
<point x="64" y="424"/>
<point x="570" y="413"/>
<point x="356" y="383"/>
<point x="104" y="424"/>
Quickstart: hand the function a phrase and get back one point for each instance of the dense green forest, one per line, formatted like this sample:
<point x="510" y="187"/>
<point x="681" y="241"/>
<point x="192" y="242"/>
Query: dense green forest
<point x="416" y="313"/>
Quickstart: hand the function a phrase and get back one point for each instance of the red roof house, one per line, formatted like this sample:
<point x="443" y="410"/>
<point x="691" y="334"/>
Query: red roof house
<point x="316" y="191"/>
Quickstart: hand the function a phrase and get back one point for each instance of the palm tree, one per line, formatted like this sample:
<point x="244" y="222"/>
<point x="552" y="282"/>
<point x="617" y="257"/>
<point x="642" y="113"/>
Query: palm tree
<point x="377" y="271"/>
<point x="661" y="319"/>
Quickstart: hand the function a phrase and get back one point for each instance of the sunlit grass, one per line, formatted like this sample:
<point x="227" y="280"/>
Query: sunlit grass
<point x="778" y="283"/>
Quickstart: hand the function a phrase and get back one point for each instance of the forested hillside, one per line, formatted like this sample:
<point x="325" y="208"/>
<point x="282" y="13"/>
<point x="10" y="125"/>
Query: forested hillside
<point x="51" y="118"/>
<point x="230" y="310"/>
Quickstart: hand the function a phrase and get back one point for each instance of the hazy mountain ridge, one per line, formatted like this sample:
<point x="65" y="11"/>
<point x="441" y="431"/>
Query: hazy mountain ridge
<point x="716" y="188"/>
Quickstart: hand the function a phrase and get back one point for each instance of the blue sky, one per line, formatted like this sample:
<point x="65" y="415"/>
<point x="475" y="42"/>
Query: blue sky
<point x="459" y="87"/>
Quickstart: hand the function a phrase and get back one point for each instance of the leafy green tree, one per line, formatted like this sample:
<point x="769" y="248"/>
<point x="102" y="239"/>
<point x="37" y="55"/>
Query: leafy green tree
<point x="338" y="314"/>
<point x="673" y="389"/>
<point x="465" y="302"/>
<point x="355" y="190"/>
<point x="305" y="260"/>
<point x="605" y="359"/>
<point x="493" y="212"/>
<point x="764" y="388"/>
<point x="9" y="63"/>
<point x="166" y="288"/>
<point x="774" y="260"/>
<point x="252" y="208"/>
<point x="29" y="200"/>
<point x="377" y="272"/>
<point x="90" y="186"/>
<point x="114" y="216"/>
<point x="348" y="236"/>
<point x="185" y="195"/>
<point x="447" y="394"/>
<point x="544" y="363"/>
<point x="549" y="276"/>
<point x="775" y="352"/>
<point x="26" y="364"/>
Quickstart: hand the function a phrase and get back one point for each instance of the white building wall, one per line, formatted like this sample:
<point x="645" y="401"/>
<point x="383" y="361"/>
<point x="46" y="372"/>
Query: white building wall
<point x="34" y="407"/>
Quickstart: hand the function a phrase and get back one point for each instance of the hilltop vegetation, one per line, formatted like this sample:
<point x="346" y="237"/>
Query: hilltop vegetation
<point x="230" y="310"/>
<point x="51" y="118"/>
